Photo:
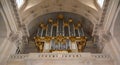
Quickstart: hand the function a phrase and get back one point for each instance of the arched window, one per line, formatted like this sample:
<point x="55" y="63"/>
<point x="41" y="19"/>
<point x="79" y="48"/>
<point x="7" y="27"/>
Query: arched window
<point x="100" y="3"/>
<point x="19" y="3"/>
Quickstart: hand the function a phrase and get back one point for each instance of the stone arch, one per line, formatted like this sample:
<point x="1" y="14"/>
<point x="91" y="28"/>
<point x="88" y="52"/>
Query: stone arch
<point x="3" y="32"/>
<point x="87" y="24"/>
<point x="116" y="26"/>
<point x="34" y="10"/>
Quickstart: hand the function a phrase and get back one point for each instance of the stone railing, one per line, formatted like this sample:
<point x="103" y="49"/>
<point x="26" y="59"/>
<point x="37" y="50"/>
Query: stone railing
<point x="100" y="56"/>
<point x="58" y="56"/>
<point x="19" y="56"/>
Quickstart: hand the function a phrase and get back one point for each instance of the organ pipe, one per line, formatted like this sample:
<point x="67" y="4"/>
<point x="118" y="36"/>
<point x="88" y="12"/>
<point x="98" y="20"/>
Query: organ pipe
<point x="60" y="35"/>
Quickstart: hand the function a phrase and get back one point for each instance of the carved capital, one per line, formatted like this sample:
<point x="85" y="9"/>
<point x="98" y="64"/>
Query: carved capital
<point x="106" y="37"/>
<point x="13" y="37"/>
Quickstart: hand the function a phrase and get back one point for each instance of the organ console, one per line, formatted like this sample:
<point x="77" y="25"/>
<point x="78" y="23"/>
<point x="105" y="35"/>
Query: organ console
<point x="60" y="35"/>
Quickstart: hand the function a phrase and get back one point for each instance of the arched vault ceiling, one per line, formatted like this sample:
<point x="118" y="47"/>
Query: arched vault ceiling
<point x="89" y="3"/>
<point x="35" y="8"/>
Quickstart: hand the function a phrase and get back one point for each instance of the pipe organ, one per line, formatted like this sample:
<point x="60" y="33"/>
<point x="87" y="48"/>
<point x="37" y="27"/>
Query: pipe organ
<point x="60" y="35"/>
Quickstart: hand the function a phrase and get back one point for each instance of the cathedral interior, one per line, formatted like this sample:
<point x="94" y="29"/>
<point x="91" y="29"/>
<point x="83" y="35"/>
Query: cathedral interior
<point x="59" y="32"/>
<point x="62" y="32"/>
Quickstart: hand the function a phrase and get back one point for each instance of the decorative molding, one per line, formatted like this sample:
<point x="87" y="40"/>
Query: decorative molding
<point x="101" y="21"/>
<point x="103" y="39"/>
<point x="104" y="13"/>
<point x="13" y="37"/>
<point x="106" y="37"/>
<point x="21" y="26"/>
<point x="25" y="39"/>
<point x="18" y="38"/>
<point x="15" y="9"/>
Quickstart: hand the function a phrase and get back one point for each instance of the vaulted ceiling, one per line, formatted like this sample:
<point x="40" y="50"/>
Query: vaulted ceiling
<point x="35" y="8"/>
